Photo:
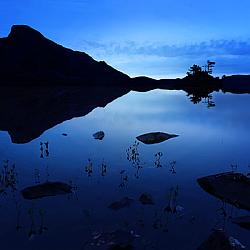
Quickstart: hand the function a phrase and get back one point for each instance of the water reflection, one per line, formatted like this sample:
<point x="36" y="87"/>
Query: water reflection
<point x="89" y="168"/>
<point x="157" y="162"/>
<point x="103" y="169"/>
<point x="44" y="149"/>
<point x="41" y="228"/>
<point x="172" y="165"/>
<point x="207" y="99"/>
<point x="8" y="178"/>
<point x="27" y="112"/>
<point x="135" y="178"/>
<point x="224" y="214"/>
<point x="124" y="179"/>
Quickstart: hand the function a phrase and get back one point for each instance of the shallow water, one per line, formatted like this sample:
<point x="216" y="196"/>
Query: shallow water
<point x="210" y="141"/>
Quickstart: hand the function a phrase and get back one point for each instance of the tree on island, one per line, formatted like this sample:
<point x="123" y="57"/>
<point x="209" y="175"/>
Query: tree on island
<point x="196" y="72"/>
<point x="200" y="83"/>
<point x="210" y="65"/>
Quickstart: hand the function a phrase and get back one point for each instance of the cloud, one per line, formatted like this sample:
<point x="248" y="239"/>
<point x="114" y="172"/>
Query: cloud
<point x="232" y="56"/>
<point x="211" y="48"/>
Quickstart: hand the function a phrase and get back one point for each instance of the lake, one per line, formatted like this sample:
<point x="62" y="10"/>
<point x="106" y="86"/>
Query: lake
<point x="211" y="140"/>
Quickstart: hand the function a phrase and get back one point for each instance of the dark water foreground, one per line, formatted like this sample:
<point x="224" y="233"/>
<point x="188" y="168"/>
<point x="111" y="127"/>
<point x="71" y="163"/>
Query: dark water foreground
<point x="123" y="191"/>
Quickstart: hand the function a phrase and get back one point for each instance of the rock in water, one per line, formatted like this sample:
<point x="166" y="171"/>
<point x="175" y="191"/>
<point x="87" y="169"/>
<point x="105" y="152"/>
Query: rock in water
<point x="233" y="188"/>
<point x="218" y="240"/>
<point x="155" y="137"/>
<point x="124" y="202"/>
<point x="146" y="199"/>
<point x="99" y="135"/>
<point x="115" y="240"/>
<point x="46" y="189"/>
<point x="242" y="221"/>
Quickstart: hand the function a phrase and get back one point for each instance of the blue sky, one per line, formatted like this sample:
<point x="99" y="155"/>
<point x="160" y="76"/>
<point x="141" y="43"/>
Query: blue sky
<point x="159" y="38"/>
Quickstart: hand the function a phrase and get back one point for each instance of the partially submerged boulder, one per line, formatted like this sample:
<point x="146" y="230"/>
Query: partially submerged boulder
<point x="219" y="240"/>
<point x="119" y="247"/>
<point x="155" y="137"/>
<point x="146" y="199"/>
<point x="46" y="189"/>
<point x="99" y="135"/>
<point x="115" y="240"/>
<point x="124" y="202"/>
<point x="121" y="239"/>
<point x="242" y="221"/>
<point x="233" y="188"/>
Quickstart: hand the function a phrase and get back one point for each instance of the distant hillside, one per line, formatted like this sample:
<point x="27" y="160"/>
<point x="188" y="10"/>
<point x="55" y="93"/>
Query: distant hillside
<point x="236" y="84"/>
<point x="26" y="56"/>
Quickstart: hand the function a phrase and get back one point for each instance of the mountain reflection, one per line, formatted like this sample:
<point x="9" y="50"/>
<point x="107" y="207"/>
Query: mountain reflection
<point x="25" y="113"/>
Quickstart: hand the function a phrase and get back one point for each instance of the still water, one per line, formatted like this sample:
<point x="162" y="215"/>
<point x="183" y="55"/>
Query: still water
<point x="210" y="141"/>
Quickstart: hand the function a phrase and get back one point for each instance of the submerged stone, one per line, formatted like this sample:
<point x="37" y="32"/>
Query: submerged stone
<point x="124" y="202"/>
<point x="233" y="188"/>
<point x="46" y="189"/>
<point x="121" y="239"/>
<point x="121" y="247"/>
<point x="155" y="137"/>
<point x="242" y="221"/>
<point x="146" y="199"/>
<point x="114" y="240"/>
<point x="99" y="135"/>
<point x="219" y="240"/>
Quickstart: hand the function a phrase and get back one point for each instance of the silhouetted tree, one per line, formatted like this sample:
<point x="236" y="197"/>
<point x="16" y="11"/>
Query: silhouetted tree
<point x="194" y="70"/>
<point x="210" y="66"/>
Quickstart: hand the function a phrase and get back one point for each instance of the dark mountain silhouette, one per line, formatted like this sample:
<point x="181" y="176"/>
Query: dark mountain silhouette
<point x="27" y="57"/>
